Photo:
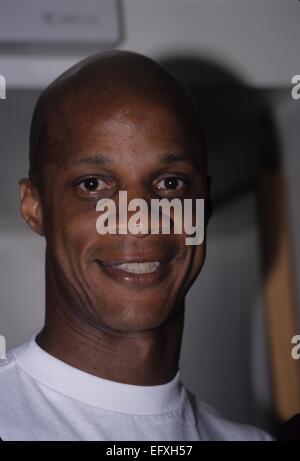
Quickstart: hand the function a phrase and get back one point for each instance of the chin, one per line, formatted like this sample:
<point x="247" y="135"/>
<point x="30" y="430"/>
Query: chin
<point x="135" y="317"/>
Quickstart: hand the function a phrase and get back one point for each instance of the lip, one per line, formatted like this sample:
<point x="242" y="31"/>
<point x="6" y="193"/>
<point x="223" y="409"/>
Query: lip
<point x="137" y="259"/>
<point x="136" y="280"/>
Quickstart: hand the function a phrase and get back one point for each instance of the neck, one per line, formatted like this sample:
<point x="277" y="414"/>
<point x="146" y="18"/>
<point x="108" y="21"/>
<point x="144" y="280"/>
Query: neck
<point x="146" y="358"/>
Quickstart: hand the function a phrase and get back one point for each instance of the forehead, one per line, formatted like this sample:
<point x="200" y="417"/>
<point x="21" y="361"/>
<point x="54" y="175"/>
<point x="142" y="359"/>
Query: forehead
<point x="119" y="122"/>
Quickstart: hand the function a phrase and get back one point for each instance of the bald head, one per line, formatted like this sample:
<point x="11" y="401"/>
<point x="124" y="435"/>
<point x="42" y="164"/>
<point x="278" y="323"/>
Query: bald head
<point x="100" y="84"/>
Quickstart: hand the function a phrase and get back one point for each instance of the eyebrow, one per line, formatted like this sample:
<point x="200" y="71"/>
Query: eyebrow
<point x="174" y="158"/>
<point x="98" y="159"/>
<point x="102" y="159"/>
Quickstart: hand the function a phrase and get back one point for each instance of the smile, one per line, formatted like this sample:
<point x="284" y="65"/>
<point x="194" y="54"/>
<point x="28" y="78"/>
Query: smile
<point x="137" y="273"/>
<point x="138" y="267"/>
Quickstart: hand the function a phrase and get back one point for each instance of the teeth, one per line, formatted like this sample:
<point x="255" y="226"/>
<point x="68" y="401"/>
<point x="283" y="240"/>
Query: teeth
<point x="139" y="268"/>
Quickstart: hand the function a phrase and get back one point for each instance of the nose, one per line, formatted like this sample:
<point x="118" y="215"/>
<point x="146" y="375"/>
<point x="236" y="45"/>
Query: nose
<point x="132" y="214"/>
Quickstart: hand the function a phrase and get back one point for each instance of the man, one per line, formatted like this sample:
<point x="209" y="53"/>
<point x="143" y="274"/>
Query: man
<point x="105" y="365"/>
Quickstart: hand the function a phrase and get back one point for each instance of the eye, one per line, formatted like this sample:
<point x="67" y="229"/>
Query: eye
<point x="171" y="183"/>
<point x="92" y="184"/>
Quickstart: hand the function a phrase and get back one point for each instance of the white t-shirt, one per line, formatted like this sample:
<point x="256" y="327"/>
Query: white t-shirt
<point x="42" y="398"/>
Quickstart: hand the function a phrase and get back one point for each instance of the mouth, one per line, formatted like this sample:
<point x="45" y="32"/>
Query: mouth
<point x="144" y="267"/>
<point x="137" y="273"/>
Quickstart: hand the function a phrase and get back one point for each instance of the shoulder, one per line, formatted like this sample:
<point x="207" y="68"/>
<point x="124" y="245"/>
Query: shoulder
<point x="7" y="372"/>
<point x="9" y="377"/>
<point x="8" y="385"/>
<point x="216" y="428"/>
<point x="13" y="392"/>
<point x="10" y="370"/>
<point x="7" y="365"/>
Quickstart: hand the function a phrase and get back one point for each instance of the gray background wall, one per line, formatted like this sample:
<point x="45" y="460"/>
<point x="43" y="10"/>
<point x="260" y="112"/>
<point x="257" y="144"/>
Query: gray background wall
<point x="235" y="44"/>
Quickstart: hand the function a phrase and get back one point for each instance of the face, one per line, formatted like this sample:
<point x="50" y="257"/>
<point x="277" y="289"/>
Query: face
<point x="103" y="148"/>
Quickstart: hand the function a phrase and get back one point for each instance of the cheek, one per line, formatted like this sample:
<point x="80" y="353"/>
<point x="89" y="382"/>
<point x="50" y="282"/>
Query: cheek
<point x="191" y="266"/>
<point x="72" y="235"/>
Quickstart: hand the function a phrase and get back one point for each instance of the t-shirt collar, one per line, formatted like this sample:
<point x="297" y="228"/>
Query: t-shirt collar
<point x="99" y="392"/>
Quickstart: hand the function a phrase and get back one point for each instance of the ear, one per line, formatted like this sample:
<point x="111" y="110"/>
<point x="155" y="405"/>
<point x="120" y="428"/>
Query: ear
<point x="31" y="206"/>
